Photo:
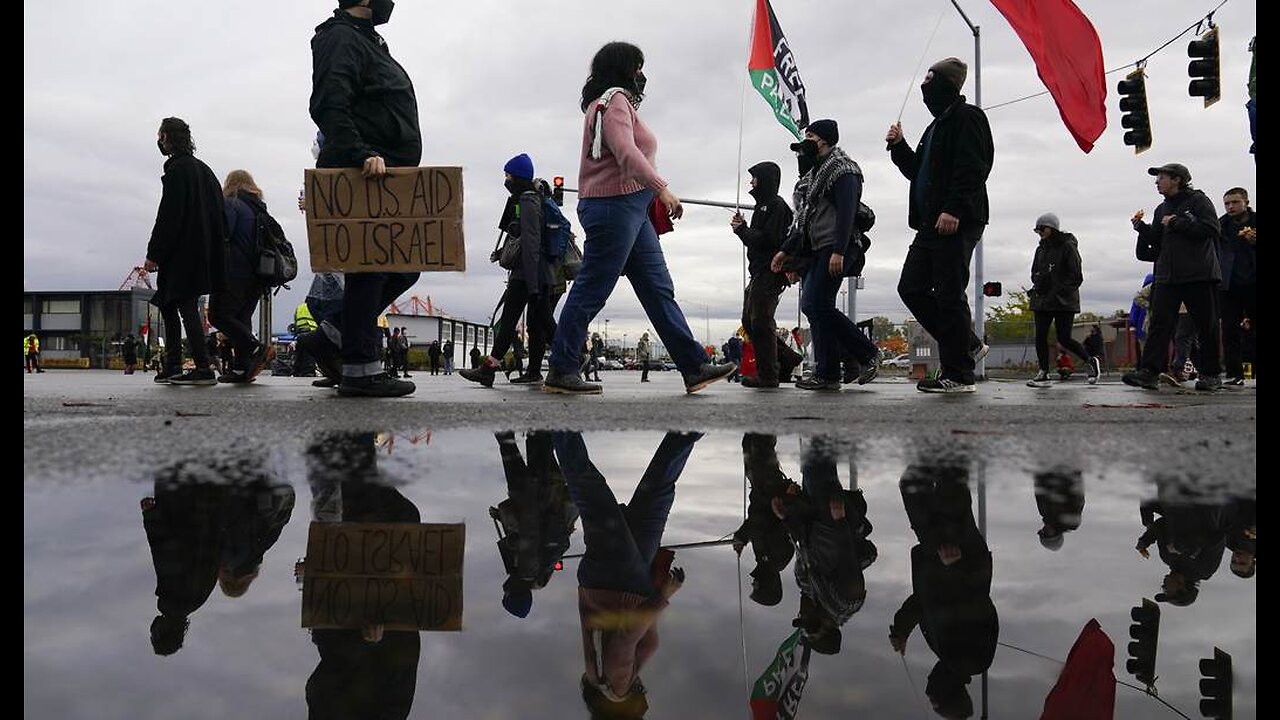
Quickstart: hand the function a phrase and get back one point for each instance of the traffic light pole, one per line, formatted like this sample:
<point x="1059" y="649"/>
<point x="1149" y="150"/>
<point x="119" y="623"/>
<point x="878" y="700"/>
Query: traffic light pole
<point x="979" y="317"/>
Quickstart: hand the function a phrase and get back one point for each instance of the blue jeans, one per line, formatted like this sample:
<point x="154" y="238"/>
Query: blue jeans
<point x="834" y="334"/>
<point x="622" y="540"/>
<point x="621" y="241"/>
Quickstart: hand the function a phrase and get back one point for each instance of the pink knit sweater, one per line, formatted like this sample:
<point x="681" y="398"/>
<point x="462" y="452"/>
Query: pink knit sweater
<point x="626" y="163"/>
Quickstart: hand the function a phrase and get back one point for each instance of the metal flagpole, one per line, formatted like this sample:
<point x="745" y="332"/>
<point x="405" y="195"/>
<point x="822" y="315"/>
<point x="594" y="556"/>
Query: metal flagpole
<point x="979" y="321"/>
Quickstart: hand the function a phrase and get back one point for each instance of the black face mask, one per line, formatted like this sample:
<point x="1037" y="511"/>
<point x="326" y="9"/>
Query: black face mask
<point x="381" y="11"/>
<point x="640" y="81"/>
<point x="807" y="148"/>
<point x="938" y="96"/>
<point x="511" y="186"/>
<point x="163" y="151"/>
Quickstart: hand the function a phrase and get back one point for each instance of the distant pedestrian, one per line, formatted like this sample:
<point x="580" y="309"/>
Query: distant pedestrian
<point x="31" y="351"/>
<point x="433" y="356"/>
<point x="187" y="251"/>
<point x="1096" y="347"/>
<point x="476" y="356"/>
<point x="448" y="356"/>
<point x="643" y="354"/>
<point x="1056" y="275"/>
<point x="232" y="309"/>
<point x="1238" y="293"/>
<point x="948" y="210"/>
<point x="1181" y="241"/>
<point x="129" y="353"/>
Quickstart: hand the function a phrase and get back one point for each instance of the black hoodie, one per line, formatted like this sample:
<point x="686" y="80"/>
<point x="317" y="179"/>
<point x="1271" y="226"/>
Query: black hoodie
<point x="361" y="98"/>
<point x="769" y="221"/>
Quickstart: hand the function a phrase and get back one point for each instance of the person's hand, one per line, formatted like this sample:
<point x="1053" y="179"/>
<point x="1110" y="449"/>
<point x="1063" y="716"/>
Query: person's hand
<point x="835" y="265"/>
<point x="372" y="633"/>
<point x="1167" y="219"/>
<point x="674" y="582"/>
<point x="147" y="503"/>
<point x="894" y="136"/>
<point x="792" y="277"/>
<point x="949" y="554"/>
<point x="150" y="266"/>
<point x="1143" y="552"/>
<point x="1136" y="220"/>
<point x="374" y="166"/>
<point x="736" y="221"/>
<point x="779" y="511"/>
<point x="1251" y="532"/>
<point x="776" y="263"/>
<point x="1249" y="234"/>
<point x="1246" y="324"/>
<point x="947" y="224"/>
<point x="674" y="209"/>
<point x="738" y="546"/>
<point x="897" y="642"/>
<point x="837" y="508"/>
<point x="302" y="201"/>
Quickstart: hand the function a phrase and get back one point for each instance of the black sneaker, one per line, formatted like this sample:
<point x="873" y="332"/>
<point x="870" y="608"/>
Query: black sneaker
<point x="979" y="352"/>
<point x="324" y="382"/>
<point x="235" y="377"/>
<point x="945" y="385"/>
<point x="868" y="373"/>
<point x="1095" y="370"/>
<point x="261" y="358"/>
<point x="1234" y="381"/>
<point x="568" y="384"/>
<point x="1209" y="383"/>
<point x="528" y="379"/>
<point x="755" y="382"/>
<point x="816" y="383"/>
<point x="483" y="375"/>
<point x="375" y="386"/>
<point x="850" y="369"/>
<point x="1142" y="377"/>
<point x="195" y="376"/>
<point x="164" y="375"/>
<point x="1041" y="380"/>
<point x="707" y="374"/>
<point x="328" y="356"/>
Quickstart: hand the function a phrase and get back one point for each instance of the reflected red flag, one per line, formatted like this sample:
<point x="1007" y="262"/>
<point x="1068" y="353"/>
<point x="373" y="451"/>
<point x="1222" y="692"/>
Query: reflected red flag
<point x="1068" y="57"/>
<point x="1086" y="689"/>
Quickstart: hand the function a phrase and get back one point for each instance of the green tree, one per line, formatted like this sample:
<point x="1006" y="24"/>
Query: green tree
<point x="882" y="328"/>
<point x="1012" y="320"/>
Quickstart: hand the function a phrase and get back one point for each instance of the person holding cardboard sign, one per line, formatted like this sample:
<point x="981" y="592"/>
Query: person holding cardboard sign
<point x="363" y="102"/>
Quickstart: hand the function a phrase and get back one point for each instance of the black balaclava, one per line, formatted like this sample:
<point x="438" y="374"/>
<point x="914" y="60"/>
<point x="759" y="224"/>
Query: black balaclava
<point x="768" y="177"/>
<point x="939" y="94"/>
<point x="517" y="185"/>
<point x="381" y="11"/>
<point x="806" y="155"/>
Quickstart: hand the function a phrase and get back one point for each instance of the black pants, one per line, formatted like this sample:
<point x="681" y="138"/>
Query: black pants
<point x="1062" y="321"/>
<point x="759" y="304"/>
<point x="1237" y="304"/>
<point x="365" y="297"/>
<point x="177" y="315"/>
<point x="541" y="324"/>
<point x="1201" y="300"/>
<point x="232" y="312"/>
<point x="934" y="279"/>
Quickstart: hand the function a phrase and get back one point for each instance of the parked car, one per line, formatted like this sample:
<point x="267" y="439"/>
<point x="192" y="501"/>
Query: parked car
<point x="902" y="362"/>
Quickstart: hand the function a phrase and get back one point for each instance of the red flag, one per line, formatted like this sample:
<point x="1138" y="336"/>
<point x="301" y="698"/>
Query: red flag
<point x="1068" y="57"/>
<point x="1086" y="689"/>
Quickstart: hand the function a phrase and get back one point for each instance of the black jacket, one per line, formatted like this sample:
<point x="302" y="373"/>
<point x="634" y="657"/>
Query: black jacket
<point x="242" y="227"/>
<point x="535" y="268"/>
<point x="1056" y="274"/>
<point x="960" y="158"/>
<point x="189" y="240"/>
<point x="770" y="220"/>
<point x="361" y="98"/>
<point x="1185" y="251"/>
<point x="1237" y="257"/>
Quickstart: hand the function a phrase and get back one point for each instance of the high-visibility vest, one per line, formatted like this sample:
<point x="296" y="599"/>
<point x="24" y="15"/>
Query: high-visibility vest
<point x="302" y="319"/>
<point x="30" y="344"/>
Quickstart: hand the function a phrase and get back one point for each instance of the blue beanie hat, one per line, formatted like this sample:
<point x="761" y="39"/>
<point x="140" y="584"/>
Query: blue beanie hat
<point x="518" y="602"/>
<point x="520" y="166"/>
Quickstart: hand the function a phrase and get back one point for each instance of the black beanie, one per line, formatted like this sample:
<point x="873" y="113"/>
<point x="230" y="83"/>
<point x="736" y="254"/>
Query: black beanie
<point x="825" y="129"/>
<point x="344" y="4"/>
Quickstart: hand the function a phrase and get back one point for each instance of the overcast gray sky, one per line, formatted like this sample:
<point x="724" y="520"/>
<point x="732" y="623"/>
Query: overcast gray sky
<point x="497" y="78"/>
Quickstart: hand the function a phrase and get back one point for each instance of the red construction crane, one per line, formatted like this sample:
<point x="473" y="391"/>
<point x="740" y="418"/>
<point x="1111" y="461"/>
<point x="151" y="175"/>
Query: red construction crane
<point x="137" y="276"/>
<point x="416" y="306"/>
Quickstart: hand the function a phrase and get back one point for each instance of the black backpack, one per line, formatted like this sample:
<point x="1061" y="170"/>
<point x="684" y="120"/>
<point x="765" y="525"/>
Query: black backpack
<point x="276" y="264"/>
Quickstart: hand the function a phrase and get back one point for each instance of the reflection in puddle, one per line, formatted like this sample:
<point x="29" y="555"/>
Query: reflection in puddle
<point x="712" y="573"/>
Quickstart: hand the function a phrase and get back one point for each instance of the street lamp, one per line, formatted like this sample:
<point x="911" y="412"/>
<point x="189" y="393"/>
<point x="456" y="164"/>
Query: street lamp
<point x="606" y="332"/>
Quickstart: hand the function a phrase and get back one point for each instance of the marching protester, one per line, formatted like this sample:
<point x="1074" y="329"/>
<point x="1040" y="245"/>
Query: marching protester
<point x="363" y="102"/>
<point x="643" y="353"/>
<point x="1056" y="275"/>
<point x="232" y="309"/>
<point x="763" y="238"/>
<point x="824" y="232"/>
<point x="1238" y="293"/>
<point x="948" y="210"/>
<point x="617" y="183"/>
<point x="530" y="283"/>
<point x="187" y="252"/>
<point x="1181" y="242"/>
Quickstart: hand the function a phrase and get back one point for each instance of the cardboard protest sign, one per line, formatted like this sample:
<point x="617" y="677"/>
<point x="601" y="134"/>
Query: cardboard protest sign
<point x="404" y="576"/>
<point x="409" y="220"/>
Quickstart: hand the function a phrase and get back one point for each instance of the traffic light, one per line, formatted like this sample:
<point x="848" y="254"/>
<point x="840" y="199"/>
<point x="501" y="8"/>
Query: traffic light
<point x="1133" y="106"/>
<point x="1204" y="67"/>
<point x="557" y="189"/>
<point x="1215" y="687"/>
<point x="992" y="289"/>
<point x="1145" y="632"/>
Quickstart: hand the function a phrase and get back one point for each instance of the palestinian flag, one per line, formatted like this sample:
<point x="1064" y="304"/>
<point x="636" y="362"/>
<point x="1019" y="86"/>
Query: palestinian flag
<point x="776" y="694"/>
<point x="774" y="73"/>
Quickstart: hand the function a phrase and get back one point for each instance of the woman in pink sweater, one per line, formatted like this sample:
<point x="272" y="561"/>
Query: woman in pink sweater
<point x="617" y="181"/>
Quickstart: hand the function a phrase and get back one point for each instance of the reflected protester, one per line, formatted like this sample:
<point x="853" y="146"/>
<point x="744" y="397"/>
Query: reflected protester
<point x="535" y="521"/>
<point x="950" y="584"/>
<point x="208" y="523"/>
<point x="1060" y="502"/>
<point x="1190" y="534"/>
<point x="828" y="526"/>
<point x="625" y="578"/>
<point x="366" y="672"/>
<point x="762" y="529"/>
